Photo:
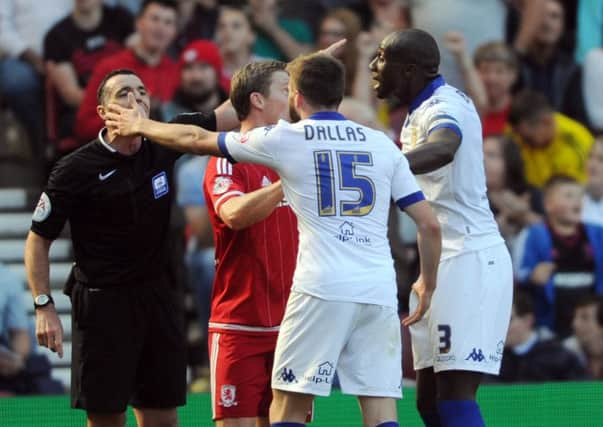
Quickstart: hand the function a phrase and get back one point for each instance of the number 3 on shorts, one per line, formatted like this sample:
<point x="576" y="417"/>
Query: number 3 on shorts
<point x="445" y="334"/>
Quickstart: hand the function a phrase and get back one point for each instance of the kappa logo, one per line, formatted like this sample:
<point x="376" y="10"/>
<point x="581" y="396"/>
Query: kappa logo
<point x="288" y="376"/>
<point x="476" y="355"/>
<point x="228" y="395"/>
<point x="103" y="176"/>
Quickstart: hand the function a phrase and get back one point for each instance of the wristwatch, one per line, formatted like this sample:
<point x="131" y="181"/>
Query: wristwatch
<point x="42" y="300"/>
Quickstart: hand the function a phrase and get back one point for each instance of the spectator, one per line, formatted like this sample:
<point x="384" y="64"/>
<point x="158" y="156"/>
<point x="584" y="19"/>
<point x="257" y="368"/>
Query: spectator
<point x="72" y="49"/>
<point x="592" y="88"/>
<point x="560" y="260"/>
<point x="199" y="89"/>
<point x="587" y="341"/>
<point x="592" y="207"/>
<point x="360" y="112"/>
<point x="514" y="203"/>
<point x="551" y="143"/>
<point x="235" y="36"/>
<point x="23" y="24"/>
<point x="278" y="38"/>
<point x="133" y="6"/>
<point x="343" y="24"/>
<point x="527" y="357"/>
<point x="21" y="370"/>
<point x="155" y="30"/>
<point x="498" y="68"/>
<point x="197" y="21"/>
<point x="479" y="22"/>
<point x="549" y="70"/>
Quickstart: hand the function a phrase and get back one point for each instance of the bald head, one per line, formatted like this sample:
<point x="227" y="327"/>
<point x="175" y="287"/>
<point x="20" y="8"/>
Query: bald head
<point x="413" y="47"/>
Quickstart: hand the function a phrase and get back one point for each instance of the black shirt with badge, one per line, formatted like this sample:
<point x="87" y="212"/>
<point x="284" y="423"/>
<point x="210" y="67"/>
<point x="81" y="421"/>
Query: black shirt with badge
<point x="118" y="208"/>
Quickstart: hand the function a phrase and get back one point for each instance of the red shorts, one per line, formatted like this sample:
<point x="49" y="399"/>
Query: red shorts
<point x="241" y="367"/>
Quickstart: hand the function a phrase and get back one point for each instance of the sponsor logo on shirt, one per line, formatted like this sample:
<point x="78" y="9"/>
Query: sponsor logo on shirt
<point x="43" y="208"/>
<point x="160" y="185"/>
<point x="348" y="234"/>
<point x="103" y="176"/>
<point x="228" y="395"/>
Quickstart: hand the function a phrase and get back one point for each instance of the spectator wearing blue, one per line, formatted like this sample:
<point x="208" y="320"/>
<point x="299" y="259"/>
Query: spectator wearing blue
<point x="560" y="261"/>
<point x="21" y="370"/>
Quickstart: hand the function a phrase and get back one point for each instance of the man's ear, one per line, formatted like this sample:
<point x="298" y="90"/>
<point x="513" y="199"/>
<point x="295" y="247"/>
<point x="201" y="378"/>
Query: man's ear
<point x="100" y="110"/>
<point x="257" y="100"/>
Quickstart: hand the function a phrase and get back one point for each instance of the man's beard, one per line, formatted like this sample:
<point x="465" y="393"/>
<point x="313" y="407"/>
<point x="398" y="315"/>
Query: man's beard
<point x="200" y="96"/>
<point x="293" y="114"/>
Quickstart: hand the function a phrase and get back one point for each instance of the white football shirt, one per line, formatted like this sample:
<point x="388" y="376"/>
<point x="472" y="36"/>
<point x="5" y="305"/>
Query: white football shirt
<point x="457" y="191"/>
<point x="339" y="178"/>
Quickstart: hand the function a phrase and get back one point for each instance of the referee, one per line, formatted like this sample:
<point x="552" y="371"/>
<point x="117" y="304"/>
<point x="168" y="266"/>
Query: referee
<point x="128" y="334"/>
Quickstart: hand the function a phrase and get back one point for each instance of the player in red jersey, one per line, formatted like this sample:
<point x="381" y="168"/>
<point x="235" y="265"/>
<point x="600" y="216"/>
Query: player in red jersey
<point x="256" y="240"/>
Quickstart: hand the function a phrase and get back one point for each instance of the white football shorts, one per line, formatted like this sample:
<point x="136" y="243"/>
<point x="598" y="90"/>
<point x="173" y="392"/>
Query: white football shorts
<point x="466" y="325"/>
<point x="361" y="341"/>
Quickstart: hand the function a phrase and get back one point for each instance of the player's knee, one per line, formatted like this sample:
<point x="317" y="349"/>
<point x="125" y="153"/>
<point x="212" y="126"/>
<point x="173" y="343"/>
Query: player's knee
<point x="97" y="419"/>
<point x="288" y="406"/>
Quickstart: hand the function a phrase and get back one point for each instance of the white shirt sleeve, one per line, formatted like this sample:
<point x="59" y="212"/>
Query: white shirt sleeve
<point x="259" y="146"/>
<point x="11" y="42"/>
<point x="441" y="114"/>
<point x="405" y="189"/>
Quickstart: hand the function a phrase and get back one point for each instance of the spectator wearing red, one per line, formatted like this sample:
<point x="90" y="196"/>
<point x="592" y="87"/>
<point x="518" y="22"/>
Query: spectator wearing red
<point x="155" y="31"/>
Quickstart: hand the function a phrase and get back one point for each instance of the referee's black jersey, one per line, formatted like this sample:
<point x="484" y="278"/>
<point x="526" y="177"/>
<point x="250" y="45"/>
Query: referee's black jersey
<point x="118" y="208"/>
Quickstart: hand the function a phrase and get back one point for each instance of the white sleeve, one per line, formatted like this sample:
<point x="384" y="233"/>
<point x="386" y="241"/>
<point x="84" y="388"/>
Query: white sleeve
<point x="259" y="146"/>
<point x="441" y="114"/>
<point x="405" y="189"/>
<point x="11" y="42"/>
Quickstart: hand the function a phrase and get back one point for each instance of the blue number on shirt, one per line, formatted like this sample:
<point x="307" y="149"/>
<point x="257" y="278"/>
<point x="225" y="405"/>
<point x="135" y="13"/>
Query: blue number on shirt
<point x="348" y="180"/>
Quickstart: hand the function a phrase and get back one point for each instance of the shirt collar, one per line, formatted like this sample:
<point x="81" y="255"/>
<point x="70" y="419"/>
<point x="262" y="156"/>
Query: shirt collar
<point x="103" y="142"/>
<point x="327" y="115"/>
<point x="426" y="93"/>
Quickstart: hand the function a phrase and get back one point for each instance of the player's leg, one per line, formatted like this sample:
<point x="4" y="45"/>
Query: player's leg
<point x="104" y="353"/>
<point x="370" y="365"/>
<point x="306" y="354"/>
<point x="240" y="367"/>
<point x="156" y="417"/>
<point x="423" y="348"/>
<point x="476" y="331"/>
<point x="161" y="369"/>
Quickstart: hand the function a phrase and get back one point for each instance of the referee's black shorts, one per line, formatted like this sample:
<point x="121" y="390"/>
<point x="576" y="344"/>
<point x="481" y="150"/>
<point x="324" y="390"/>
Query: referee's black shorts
<point x="128" y="348"/>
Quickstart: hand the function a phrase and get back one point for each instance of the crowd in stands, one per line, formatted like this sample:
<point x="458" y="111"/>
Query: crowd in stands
<point x="532" y="68"/>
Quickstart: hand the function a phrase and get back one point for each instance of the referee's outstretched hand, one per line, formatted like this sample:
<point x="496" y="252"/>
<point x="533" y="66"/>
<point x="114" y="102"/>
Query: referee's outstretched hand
<point x="49" y="330"/>
<point x="424" y="296"/>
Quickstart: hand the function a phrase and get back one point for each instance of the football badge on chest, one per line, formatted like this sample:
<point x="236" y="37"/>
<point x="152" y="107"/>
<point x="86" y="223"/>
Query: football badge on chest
<point x="160" y="185"/>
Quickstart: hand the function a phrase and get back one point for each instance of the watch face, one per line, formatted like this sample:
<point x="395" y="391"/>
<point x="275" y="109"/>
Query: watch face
<point x="41" y="299"/>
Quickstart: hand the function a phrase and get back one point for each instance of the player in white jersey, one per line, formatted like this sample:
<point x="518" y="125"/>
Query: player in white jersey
<point x="463" y="334"/>
<point x="339" y="178"/>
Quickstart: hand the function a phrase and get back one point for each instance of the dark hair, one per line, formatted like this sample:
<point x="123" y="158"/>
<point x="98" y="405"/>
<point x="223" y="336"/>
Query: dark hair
<point x="522" y="302"/>
<point x="253" y="77"/>
<point x="589" y="300"/>
<point x="527" y="105"/>
<point x="171" y="4"/>
<point x="100" y="92"/>
<point x="515" y="178"/>
<point x="319" y="78"/>
<point x="555" y="181"/>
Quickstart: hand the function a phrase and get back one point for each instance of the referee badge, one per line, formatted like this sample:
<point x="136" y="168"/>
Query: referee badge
<point x="160" y="185"/>
<point x="221" y="185"/>
<point x="43" y="209"/>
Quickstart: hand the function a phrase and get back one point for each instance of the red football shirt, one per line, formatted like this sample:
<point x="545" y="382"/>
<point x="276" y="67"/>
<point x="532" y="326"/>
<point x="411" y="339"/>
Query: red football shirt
<point x="254" y="266"/>
<point x="494" y="123"/>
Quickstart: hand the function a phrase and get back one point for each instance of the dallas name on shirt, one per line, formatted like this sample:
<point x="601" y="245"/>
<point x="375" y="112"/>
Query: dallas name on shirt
<point x="334" y="133"/>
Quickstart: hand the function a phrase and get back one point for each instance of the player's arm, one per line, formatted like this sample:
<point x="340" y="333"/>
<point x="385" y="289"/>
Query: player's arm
<point x="439" y="150"/>
<point x="429" y="241"/>
<point x="248" y="209"/>
<point x="129" y="121"/>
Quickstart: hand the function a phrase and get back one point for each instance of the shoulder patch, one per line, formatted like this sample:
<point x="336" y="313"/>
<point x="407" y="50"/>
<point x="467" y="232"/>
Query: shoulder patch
<point x="43" y="209"/>
<point x="221" y="185"/>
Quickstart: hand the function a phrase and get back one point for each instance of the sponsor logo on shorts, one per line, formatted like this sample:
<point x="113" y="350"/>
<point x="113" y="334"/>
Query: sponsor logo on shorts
<point x="228" y="395"/>
<point x="476" y="355"/>
<point x="499" y="351"/>
<point x="445" y="358"/>
<point x="323" y="374"/>
<point x="288" y="376"/>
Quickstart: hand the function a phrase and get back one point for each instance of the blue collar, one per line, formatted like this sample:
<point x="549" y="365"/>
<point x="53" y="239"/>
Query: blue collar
<point x="426" y="93"/>
<point x="327" y="115"/>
